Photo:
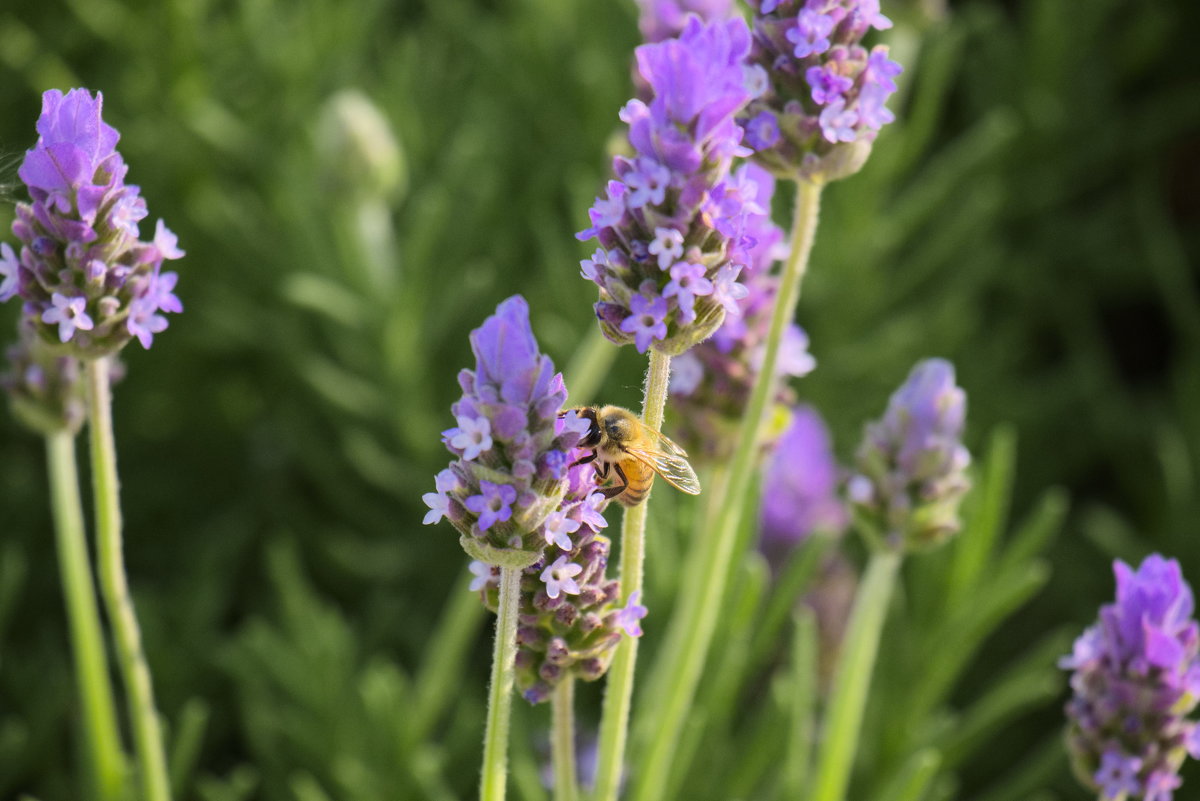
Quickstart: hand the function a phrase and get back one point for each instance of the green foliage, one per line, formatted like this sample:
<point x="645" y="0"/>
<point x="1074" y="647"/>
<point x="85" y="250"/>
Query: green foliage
<point x="1031" y="217"/>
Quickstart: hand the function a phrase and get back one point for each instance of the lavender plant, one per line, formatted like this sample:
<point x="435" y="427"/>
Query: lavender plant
<point x="90" y="285"/>
<point x="810" y="164"/>
<point x="1135" y="682"/>
<point x="671" y="230"/>
<point x="506" y="493"/>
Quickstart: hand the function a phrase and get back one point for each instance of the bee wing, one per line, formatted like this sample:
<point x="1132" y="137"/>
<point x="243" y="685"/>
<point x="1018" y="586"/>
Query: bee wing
<point x="668" y="460"/>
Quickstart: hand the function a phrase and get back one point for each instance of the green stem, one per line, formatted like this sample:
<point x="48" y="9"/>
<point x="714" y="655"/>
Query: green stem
<point x="494" y="781"/>
<point x="618" y="690"/>
<point x="852" y="679"/>
<point x="693" y="624"/>
<point x="101" y="735"/>
<point x="147" y="735"/>
<point x="563" y="745"/>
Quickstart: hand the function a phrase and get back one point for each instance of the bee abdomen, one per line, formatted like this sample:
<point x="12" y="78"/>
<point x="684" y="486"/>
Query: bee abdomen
<point x="632" y="495"/>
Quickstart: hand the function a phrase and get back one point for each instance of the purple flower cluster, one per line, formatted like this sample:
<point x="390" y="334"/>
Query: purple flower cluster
<point x="570" y="620"/>
<point x="665" y="19"/>
<point x="671" y="226"/>
<point x="44" y="386"/>
<point x="711" y="383"/>
<point x="800" y="485"/>
<point x="826" y="94"/>
<point x="910" y="470"/>
<point x="86" y="279"/>
<point x="1136" y="676"/>
<point x="510" y="473"/>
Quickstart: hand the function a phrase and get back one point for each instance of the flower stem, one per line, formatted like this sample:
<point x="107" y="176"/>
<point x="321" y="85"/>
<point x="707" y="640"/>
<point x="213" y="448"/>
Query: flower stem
<point x="618" y="691"/>
<point x="147" y="736"/>
<point x="563" y="745"/>
<point x="853" y="677"/>
<point x="679" y="669"/>
<point x="101" y="735"/>
<point x="494" y="781"/>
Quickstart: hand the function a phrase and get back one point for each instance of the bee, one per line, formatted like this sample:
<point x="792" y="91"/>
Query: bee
<point x="628" y="453"/>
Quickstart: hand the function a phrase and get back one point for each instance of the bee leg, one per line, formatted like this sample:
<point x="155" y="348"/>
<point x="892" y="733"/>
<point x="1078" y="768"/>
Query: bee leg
<point x="602" y="472"/>
<point x="619" y="488"/>
<point x="611" y="492"/>
<point x="591" y="457"/>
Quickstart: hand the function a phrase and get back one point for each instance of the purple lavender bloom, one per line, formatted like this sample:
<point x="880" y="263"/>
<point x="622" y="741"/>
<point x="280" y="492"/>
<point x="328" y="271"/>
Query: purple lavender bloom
<point x="826" y="92"/>
<point x="800" y="484"/>
<point x="645" y="321"/>
<point x="629" y="616"/>
<point x="85" y="278"/>
<point x="560" y="577"/>
<point x="515" y="491"/>
<point x="44" y="386"/>
<point x="509" y="444"/>
<point x="493" y="504"/>
<point x="910" y="471"/>
<point x="1135" y="679"/>
<point x="674" y="201"/>
<point x="665" y="19"/>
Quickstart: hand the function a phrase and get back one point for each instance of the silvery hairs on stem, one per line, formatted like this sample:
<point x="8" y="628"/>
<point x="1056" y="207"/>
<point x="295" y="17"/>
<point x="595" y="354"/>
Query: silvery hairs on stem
<point x="88" y="282"/>
<point x="671" y="224"/>
<point x="824" y="94"/>
<point x="1135" y="680"/>
<point x="711" y="383"/>
<point x="517" y="501"/>
<point x="910" y="470"/>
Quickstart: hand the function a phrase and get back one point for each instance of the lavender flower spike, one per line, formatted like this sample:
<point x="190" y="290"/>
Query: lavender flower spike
<point x="1135" y="679"/>
<point x="671" y="226"/>
<point x="87" y="279"/>
<point x="510" y="471"/>
<point x="825" y="101"/>
<point x="911" y="466"/>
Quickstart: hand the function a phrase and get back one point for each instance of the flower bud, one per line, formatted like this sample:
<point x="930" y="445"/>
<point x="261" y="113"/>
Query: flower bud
<point x="910" y="470"/>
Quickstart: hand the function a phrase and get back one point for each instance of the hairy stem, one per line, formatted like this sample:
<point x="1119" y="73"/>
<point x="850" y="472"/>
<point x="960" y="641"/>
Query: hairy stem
<point x="131" y="659"/>
<point x="618" y="691"/>
<point x="680" y="667"/>
<point x="101" y="734"/>
<point x="494" y="780"/>
<point x="563" y="745"/>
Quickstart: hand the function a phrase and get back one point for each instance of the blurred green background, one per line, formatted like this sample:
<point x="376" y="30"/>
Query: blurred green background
<point x="1032" y="216"/>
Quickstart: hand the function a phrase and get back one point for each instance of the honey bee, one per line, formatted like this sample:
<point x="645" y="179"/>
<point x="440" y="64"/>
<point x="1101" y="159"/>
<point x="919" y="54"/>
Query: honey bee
<point x="629" y="453"/>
